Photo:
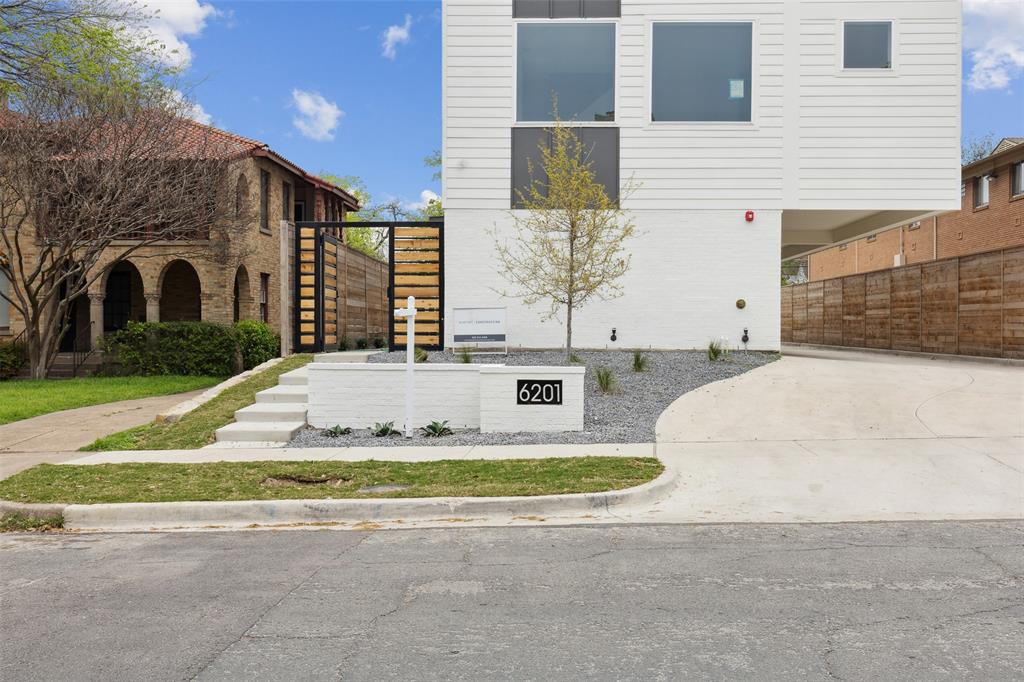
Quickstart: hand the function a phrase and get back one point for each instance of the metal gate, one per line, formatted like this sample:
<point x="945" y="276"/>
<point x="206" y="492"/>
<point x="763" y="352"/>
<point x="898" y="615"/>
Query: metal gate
<point x="416" y="268"/>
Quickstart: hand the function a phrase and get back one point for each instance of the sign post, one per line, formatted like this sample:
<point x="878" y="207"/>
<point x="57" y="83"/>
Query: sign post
<point x="409" y="313"/>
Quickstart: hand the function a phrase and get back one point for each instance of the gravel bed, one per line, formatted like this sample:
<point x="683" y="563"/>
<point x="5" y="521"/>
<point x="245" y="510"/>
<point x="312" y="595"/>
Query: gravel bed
<point x="627" y="416"/>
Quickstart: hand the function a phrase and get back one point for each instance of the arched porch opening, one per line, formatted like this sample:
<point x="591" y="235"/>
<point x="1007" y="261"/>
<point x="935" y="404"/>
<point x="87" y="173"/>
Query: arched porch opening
<point x="180" y="293"/>
<point x="123" y="299"/>
<point x="242" y="297"/>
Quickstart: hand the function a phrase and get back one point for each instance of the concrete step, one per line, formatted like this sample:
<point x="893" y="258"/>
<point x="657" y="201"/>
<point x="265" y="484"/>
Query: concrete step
<point x="272" y="412"/>
<point x="284" y="394"/>
<point x="278" y="432"/>
<point x="345" y="356"/>
<point x="296" y="377"/>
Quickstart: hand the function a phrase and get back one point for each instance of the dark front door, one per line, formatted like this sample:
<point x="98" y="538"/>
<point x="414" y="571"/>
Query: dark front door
<point x="67" y="342"/>
<point x="117" y="305"/>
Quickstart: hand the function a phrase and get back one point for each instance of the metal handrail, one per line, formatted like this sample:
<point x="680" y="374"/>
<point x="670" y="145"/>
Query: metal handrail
<point x="81" y="349"/>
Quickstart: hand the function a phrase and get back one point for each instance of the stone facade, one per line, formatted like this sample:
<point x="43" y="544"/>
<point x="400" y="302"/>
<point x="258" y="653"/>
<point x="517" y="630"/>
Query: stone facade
<point x="999" y="224"/>
<point x="214" y="282"/>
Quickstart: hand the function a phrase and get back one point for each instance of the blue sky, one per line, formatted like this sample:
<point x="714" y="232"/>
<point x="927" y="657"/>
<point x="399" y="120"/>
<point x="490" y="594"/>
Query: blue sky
<point x="354" y="86"/>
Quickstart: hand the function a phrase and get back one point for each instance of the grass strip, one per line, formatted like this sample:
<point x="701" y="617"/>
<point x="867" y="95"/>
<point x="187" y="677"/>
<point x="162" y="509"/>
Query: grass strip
<point x="24" y="399"/>
<point x="150" y="482"/>
<point x="16" y="522"/>
<point x="196" y="429"/>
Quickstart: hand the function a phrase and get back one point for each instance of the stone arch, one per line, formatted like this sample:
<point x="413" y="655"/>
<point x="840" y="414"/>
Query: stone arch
<point x="180" y="293"/>
<point x="124" y="296"/>
<point x="242" y="295"/>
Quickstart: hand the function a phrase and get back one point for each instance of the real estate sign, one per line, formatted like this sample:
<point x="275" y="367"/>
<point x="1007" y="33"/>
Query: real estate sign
<point x="478" y="325"/>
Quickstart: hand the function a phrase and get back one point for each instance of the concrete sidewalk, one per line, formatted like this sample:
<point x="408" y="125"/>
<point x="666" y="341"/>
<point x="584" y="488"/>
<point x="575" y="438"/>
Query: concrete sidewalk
<point x="56" y="436"/>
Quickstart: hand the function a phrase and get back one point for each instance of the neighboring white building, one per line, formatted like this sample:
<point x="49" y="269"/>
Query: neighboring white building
<point x="827" y="119"/>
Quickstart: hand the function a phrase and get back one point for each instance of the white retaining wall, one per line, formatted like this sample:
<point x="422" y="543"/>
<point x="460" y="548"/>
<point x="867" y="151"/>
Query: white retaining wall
<point x="358" y="395"/>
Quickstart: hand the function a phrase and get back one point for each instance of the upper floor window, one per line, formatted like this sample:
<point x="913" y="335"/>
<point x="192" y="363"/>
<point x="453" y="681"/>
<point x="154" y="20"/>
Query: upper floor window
<point x="571" y="64"/>
<point x="1017" y="179"/>
<point x="286" y="201"/>
<point x="241" y="195"/>
<point x="702" y="71"/>
<point x="264" y="201"/>
<point x="981" y="191"/>
<point x="867" y="45"/>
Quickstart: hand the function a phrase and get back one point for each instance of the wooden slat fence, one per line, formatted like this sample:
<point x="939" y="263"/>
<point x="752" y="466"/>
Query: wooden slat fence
<point x="417" y="257"/>
<point x="363" y="297"/>
<point x="970" y="305"/>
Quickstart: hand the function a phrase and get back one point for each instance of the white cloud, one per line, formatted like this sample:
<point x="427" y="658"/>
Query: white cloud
<point x="193" y="110"/>
<point x="994" y="38"/>
<point x="394" y="36"/>
<point x="317" y="117"/>
<point x="170" y="22"/>
<point x="426" y="196"/>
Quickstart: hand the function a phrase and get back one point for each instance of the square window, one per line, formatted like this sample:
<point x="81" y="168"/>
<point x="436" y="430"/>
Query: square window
<point x="572" y="63"/>
<point x="981" y="191"/>
<point x="867" y="45"/>
<point x="701" y="71"/>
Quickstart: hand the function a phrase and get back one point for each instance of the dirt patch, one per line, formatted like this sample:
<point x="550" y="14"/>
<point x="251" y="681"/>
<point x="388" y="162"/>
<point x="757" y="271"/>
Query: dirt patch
<point x="303" y="481"/>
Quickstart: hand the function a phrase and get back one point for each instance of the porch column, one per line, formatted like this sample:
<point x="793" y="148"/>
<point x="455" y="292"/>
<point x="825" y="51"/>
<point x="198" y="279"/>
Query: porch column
<point x="96" y="319"/>
<point x="152" y="307"/>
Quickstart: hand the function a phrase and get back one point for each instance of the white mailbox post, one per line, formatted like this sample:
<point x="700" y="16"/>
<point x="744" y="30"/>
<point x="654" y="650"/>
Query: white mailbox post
<point x="409" y="313"/>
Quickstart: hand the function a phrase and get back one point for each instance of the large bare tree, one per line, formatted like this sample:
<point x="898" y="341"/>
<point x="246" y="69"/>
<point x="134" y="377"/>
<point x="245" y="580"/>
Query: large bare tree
<point x="568" y="245"/>
<point x="90" y="173"/>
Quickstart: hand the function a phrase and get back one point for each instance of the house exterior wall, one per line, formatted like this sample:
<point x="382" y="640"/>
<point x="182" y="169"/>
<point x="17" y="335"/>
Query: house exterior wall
<point x="819" y="139"/>
<point x="969" y="230"/>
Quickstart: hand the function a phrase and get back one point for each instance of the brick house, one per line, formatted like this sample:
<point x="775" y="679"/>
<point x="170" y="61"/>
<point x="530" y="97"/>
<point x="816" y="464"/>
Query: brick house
<point x="991" y="217"/>
<point x="159" y="283"/>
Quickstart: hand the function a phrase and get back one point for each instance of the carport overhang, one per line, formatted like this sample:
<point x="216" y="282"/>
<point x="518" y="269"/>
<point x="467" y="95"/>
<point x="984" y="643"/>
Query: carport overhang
<point x="804" y="231"/>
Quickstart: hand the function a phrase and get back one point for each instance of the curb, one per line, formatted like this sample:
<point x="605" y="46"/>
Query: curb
<point x="168" y="515"/>
<point x="35" y="511"/>
<point x="181" y="409"/>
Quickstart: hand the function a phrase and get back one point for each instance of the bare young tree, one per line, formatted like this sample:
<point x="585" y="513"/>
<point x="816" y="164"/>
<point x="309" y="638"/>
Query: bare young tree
<point x="975" y="148"/>
<point x="91" y="175"/>
<point x="568" y="247"/>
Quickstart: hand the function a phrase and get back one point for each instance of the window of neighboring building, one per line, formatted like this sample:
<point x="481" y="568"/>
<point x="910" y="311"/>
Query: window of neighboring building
<point x="867" y="45"/>
<point x="264" y="201"/>
<point x="264" y="297"/>
<point x="1017" y="179"/>
<point x="701" y="71"/>
<point x="573" y="63"/>
<point x="300" y="211"/>
<point x="286" y="201"/>
<point x="981" y="191"/>
<point x="241" y="195"/>
<point x="5" y="306"/>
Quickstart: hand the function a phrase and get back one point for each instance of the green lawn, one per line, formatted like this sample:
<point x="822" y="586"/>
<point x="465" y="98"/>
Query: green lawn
<point x="104" y="483"/>
<point x="196" y="428"/>
<point x="24" y="399"/>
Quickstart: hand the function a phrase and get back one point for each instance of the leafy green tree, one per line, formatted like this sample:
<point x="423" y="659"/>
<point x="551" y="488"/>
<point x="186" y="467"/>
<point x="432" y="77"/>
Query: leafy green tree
<point x="569" y="244"/>
<point x="434" y="160"/>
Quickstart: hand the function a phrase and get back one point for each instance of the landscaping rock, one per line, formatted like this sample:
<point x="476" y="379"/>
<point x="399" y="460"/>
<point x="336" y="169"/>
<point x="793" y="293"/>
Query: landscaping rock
<point x="626" y="416"/>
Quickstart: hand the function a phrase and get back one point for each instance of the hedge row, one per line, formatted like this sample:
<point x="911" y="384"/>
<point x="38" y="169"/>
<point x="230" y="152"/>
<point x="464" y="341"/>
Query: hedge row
<point x="191" y="348"/>
<point x="11" y="360"/>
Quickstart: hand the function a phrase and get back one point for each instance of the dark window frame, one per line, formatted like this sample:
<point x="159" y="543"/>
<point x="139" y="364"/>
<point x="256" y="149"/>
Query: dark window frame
<point x="264" y="297"/>
<point x="566" y="9"/>
<point x="1017" y="180"/>
<point x="264" y="201"/>
<point x="286" y="200"/>
<point x="987" y="180"/>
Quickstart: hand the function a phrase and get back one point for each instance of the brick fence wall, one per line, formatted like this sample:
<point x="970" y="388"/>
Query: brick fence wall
<point x="971" y="305"/>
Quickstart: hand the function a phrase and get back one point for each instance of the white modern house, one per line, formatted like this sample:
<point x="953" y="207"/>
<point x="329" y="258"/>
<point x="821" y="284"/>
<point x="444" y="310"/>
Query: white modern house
<point x="826" y="119"/>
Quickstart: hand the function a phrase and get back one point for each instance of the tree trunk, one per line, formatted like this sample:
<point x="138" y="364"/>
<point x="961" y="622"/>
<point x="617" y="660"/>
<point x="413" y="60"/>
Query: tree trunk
<point x="568" y="330"/>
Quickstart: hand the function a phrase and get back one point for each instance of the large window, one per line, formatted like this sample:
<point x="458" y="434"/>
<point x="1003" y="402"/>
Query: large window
<point x="867" y="45"/>
<point x="286" y="201"/>
<point x="573" y="63"/>
<point x="701" y="71"/>
<point x="264" y="297"/>
<point x="265" y="201"/>
<point x="1017" y="181"/>
<point x="981" y="191"/>
<point x="600" y="143"/>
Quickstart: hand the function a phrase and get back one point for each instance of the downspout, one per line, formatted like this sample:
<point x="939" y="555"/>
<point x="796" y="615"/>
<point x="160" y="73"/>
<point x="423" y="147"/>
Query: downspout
<point x="935" y="237"/>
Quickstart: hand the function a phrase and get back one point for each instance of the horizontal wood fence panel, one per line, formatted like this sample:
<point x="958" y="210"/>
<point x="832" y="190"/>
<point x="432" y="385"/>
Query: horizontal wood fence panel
<point x="417" y="269"/>
<point x="970" y="305"/>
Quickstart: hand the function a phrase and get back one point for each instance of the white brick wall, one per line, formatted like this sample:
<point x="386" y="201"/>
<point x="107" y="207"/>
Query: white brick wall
<point x="467" y="396"/>
<point x="689" y="267"/>
<point x="500" y="411"/>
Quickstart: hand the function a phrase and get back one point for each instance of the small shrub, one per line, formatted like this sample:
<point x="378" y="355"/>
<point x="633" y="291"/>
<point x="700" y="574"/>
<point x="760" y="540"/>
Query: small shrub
<point x="343" y="343"/>
<point x="386" y="429"/>
<point x="575" y="359"/>
<point x="257" y="342"/>
<point x="362" y="344"/>
<point x="183" y="348"/>
<point x="436" y="429"/>
<point x="420" y="355"/>
<point x="464" y="357"/>
<point x="640" y="362"/>
<point x="379" y="342"/>
<point x="606" y="381"/>
<point x="717" y="351"/>
<point x="337" y="431"/>
<point x="11" y="360"/>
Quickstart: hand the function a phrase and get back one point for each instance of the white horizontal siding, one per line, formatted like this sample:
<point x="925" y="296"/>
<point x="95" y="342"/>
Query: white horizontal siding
<point x="820" y="139"/>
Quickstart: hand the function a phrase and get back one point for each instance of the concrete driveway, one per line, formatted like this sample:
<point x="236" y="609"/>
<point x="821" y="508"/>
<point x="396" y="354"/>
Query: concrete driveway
<point x="848" y="436"/>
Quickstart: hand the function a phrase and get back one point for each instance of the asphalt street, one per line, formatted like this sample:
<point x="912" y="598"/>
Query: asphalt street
<point x="910" y="601"/>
